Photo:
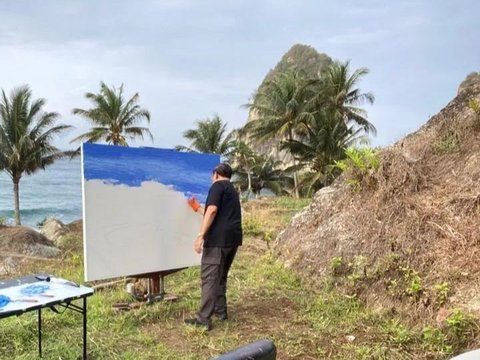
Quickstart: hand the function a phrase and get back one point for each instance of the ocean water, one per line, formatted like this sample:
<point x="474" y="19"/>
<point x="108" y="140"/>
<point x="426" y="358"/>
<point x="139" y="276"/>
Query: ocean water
<point x="54" y="192"/>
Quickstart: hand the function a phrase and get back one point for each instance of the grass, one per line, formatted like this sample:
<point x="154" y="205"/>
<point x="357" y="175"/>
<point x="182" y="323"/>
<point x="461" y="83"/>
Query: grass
<point x="266" y="300"/>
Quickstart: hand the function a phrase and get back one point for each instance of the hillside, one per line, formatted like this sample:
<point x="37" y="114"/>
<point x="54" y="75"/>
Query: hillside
<point x="407" y="239"/>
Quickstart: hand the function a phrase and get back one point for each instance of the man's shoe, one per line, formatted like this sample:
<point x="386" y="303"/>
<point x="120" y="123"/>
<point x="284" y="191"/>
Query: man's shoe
<point x="207" y="325"/>
<point x="222" y="316"/>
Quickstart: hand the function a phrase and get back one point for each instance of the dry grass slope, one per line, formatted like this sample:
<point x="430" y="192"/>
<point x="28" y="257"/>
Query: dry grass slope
<point x="408" y="238"/>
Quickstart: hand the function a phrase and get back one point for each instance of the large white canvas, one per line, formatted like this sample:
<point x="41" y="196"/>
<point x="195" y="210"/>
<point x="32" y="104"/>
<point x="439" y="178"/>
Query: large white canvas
<point x="136" y="217"/>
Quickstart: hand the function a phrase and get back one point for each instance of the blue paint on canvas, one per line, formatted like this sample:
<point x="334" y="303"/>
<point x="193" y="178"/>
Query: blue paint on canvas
<point x="189" y="173"/>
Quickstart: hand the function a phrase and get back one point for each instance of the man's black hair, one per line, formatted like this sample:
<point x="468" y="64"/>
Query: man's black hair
<point x="223" y="170"/>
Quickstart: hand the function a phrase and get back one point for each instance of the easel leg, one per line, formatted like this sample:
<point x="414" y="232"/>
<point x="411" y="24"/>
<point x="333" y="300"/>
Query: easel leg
<point x="155" y="288"/>
<point x="156" y="285"/>
<point x="149" y="291"/>
<point x="162" y="286"/>
<point x="39" y="332"/>
<point x="84" y="328"/>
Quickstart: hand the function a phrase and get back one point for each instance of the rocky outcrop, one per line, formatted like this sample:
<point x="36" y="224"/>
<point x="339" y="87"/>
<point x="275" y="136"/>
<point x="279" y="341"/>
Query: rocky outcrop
<point x="19" y="242"/>
<point x="61" y="233"/>
<point x="419" y="213"/>
<point x="300" y="57"/>
<point x="323" y="218"/>
<point x="53" y="229"/>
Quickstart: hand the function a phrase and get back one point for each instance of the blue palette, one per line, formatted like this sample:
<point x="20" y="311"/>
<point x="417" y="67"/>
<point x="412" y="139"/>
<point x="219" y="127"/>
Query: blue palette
<point x="34" y="289"/>
<point x="4" y="301"/>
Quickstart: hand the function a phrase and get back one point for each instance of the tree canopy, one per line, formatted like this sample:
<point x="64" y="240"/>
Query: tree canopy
<point x="26" y="134"/>
<point x="209" y="136"/>
<point x="114" y="119"/>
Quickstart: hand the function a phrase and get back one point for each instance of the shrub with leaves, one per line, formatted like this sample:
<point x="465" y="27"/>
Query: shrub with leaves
<point x="474" y="104"/>
<point x="451" y="134"/>
<point x="413" y="282"/>
<point x="442" y="291"/>
<point x="358" y="165"/>
<point x="461" y="326"/>
<point x="254" y="227"/>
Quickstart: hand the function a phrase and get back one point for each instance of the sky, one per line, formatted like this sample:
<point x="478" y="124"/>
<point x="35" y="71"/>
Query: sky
<point x="190" y="59"/>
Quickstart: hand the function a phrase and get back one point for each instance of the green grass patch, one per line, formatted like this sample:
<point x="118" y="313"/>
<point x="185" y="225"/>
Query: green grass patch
<point x="266" y="300"/>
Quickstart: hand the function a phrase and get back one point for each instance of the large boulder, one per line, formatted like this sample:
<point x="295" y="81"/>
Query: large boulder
<point x="62" y="234"/>
<point x="53" y="229"/>
<point x="19" y="242"/>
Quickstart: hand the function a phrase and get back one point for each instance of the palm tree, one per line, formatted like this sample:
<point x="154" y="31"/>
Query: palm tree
<point x="209" y="137"/>
<point x="325" y="140"/>
<point x="243" y="159"/>
<point x="265" y="174"/>
<point x="26" y="133"/>
<point x="337" y="90"/>
<point x="279" y="107"/>
<point x="113" y="119"/>
<point x="314" y="119"/>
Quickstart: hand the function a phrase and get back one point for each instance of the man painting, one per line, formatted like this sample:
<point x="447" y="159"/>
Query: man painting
<point x="219" y="237"/>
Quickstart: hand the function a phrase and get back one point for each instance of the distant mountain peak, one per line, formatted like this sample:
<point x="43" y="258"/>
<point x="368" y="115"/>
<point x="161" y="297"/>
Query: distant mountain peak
<point x="302" y="57"/>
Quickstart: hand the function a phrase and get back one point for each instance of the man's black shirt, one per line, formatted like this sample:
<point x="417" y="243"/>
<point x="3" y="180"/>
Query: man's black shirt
<point x="226" y="229"/>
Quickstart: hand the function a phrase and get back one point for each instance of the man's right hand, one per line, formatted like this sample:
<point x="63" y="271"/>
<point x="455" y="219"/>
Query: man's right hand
<point x="193" y="203"/>
<point x="198" y="245"/>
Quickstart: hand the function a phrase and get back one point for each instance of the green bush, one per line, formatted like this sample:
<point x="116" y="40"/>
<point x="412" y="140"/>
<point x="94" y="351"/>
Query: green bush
<point x="461" y="326"/>
<point x="442" y="291"/>
<point x="434" y="340"/>
<point x="474" y="104"/>
<point x="358" y="164"/>
<point x="398" y="333"/>
<point x="448" y="142"/>
<point x="413" y="282"/>
<point x="336" y="263"/>
<point x="254" y="227"/>
<point x="450" y="134"/>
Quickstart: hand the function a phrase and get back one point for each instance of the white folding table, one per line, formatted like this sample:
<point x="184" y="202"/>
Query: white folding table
<point x="36" y="292"/>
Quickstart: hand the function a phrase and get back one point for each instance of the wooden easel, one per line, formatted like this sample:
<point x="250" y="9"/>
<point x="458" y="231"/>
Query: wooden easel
<point x="156" y="284"/>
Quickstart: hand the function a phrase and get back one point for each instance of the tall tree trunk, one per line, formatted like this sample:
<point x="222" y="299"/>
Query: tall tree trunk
<point x="295" y="174"/>
<point x="295" y="184"/>
<point x="16" y="195"/>
<point x="249" y="175"/>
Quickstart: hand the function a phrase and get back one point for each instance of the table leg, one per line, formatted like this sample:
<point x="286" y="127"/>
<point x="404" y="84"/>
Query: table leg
<point x="40" y="332"/>
<point x="84" y="328"/>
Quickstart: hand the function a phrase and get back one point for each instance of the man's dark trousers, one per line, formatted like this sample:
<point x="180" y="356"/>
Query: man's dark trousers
<point x="216" y="262"/>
